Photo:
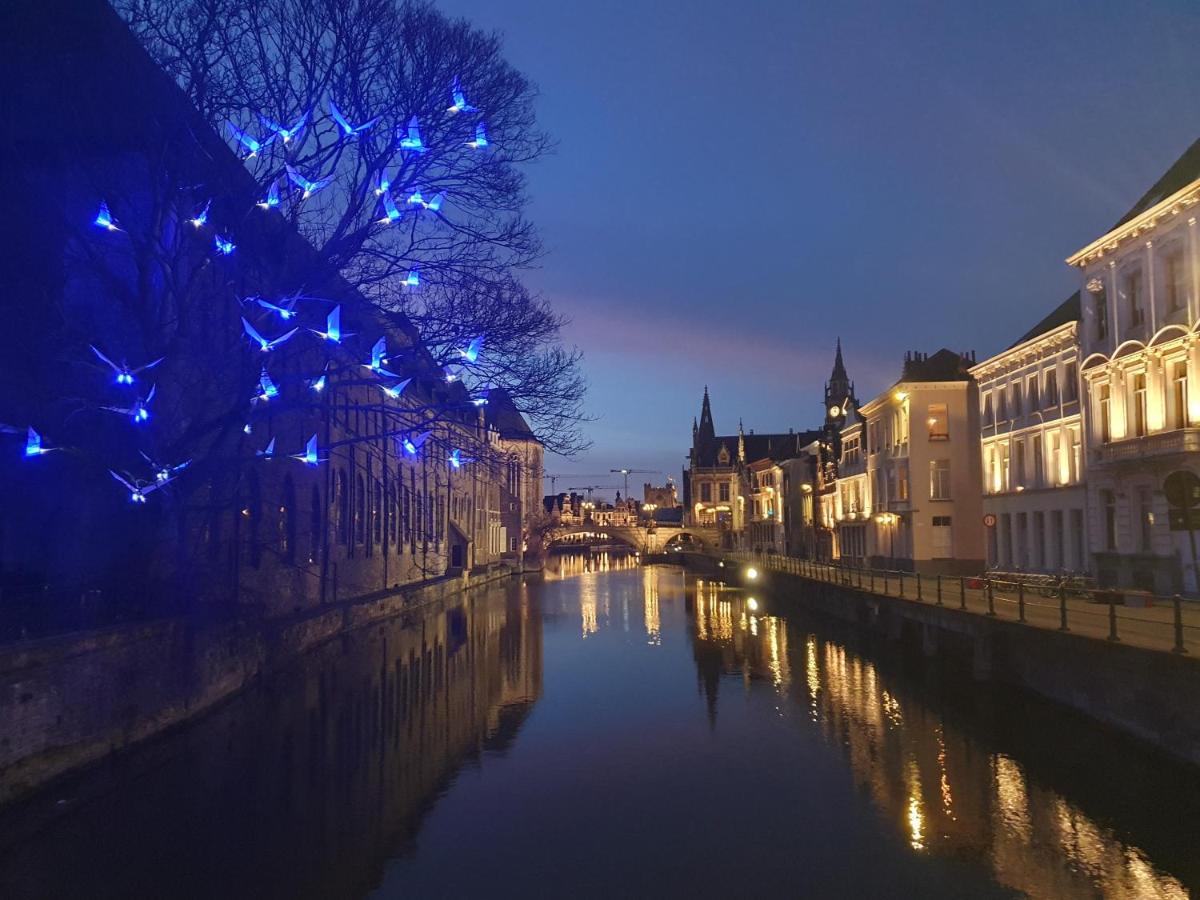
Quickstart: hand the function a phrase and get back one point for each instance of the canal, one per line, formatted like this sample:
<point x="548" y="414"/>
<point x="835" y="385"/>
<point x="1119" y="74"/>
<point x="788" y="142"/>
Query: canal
<point x="616" y="730"/>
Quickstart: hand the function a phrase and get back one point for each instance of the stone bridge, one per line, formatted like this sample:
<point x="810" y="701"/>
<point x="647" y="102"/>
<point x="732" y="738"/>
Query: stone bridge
<point x="654" y="540"/>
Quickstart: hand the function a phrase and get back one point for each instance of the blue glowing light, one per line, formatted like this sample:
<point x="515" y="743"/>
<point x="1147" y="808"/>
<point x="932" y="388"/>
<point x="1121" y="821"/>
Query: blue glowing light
<point x="268" y="451"/>
<point x="272" y="199"/>
<point x="201" y="218"/>
<point x="413" y="278"/>
<point x="139" y="412"/>
<point x="252" y="145"/>
<point x="333" y="327"/>
<point x="481" y="140"/>
<point x="137" y="492"/>
<point x="456" y="459"/>
<point x="378" y="355"/>
<point x="415" y="198"/>
<point x="124" y="374"/>
<point x="308" y="188"/>
<point x="471" y="354"/>
<point x="396" y="389"/>
<point x="412" y="445"/>
<point x="459" y="99"/>
<point x="285" y="309"/>
<point x="436" y="203"/>
<point x="104" y="218"/>
<point x="263" y="344"/>
<point x="309" y="456"/>
<point x="285" y="134"/>
<point x="164" y="473"/>
<point x="390" y="212"/>
<point x="247" y="428"/>
<point x="412" y="140"/>
<point x="479" y="401"/>
<point x="33" y="444"/>
<point x="224" y="245"/>
<point x="384" y="184"/>
<point x="267" y="387"/>
<point x="347" y="129"/>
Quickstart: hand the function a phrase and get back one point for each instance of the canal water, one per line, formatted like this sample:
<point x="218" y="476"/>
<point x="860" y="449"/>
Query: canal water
<point x="614" y="730"/>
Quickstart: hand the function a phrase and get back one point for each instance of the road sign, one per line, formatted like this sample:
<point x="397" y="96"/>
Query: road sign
<point x="1182" y="489"/>
<point x="989" y="520"/>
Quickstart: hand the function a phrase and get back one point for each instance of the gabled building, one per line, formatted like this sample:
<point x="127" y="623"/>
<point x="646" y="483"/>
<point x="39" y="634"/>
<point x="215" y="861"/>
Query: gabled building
<point x="1033" y="442"/>
<point x="1140" y="360"/>
<point x="520" y="458"/>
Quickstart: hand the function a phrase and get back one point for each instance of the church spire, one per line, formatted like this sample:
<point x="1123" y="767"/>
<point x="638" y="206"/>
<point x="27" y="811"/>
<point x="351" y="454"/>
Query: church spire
<point x="706" y="430"/>
<point x="839" y="391"/>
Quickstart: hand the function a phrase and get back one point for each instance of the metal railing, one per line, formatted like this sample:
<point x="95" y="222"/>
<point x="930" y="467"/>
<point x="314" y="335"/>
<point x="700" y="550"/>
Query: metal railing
<point x="1168" y="624"/>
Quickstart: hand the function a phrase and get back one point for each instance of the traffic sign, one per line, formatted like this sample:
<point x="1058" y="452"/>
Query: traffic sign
<point x="989" y="520"/>
<point x="1182" y="489"/>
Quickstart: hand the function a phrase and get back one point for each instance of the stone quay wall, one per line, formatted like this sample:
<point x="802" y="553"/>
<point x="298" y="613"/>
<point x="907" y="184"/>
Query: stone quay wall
<point x="72" y="699"/>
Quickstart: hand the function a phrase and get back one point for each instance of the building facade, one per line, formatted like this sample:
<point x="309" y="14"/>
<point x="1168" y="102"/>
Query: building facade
<point x="923" y="472"/>
<point x="1138" y="336"/>
<point x="1033" y="444"/>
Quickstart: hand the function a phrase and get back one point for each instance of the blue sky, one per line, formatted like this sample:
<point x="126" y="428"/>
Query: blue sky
<point x="738" y="184"/>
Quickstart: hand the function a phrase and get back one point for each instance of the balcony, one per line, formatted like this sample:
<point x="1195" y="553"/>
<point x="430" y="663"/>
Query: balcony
<point x="1180" y="440"/>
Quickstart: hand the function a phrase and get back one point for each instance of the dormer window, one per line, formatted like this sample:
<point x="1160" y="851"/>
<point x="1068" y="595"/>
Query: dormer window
<point x="723" y="456"/>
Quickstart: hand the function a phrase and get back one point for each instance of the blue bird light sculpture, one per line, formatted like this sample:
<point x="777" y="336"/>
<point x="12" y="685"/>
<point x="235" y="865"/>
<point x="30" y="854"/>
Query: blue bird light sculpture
<point x="104" y="218"/>
<point x="318" y="384"/>
<point x="481" y="140"/>
<point x="271" y="200"/>
<point x="267" y="452"/>
<point x="347" y="129"/>
<point x="285" y="309"/>
<point x="33" y="444"/>
<point x="413" y="443"/>
<point x="252" y="145"/>
<point x="309" y="456"/>
<point x="412" y="139"/>
<point x="457" y="460"/>
<point x="223" y="244"/>
<point x="284" y="133"/>
<point x="263" y="344"/>
<point x="471" y="353"/>
<point x="124" y="373"/>
<point x="458" y="99"/>
<point x="201" y="218"/>
<point x="394" y="392"/>
<point x="164" y="473"/>
<point x="333" y="327"/>
<point x="267" y="389"/>
<point x="137" y="489"/>
<point x="390" y="212"/>
<point x="307" y="188"/>
<point x="412" y="280"/>
<point x="140" y="411"/>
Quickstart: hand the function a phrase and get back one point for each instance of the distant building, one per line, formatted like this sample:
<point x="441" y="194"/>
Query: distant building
<point x="1140" y="361"/>
<point x="521" y="458"/>
<point x="663" y="497"/>
<point x="923" y="474"/>
<point x="1033" y="443"/>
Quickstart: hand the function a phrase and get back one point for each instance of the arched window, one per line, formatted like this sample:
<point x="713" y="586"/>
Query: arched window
<point x="341" y="507"/>
<point x="285" y="523"/>
<point x="314" y="525"/>
<point x="360" y="511"/>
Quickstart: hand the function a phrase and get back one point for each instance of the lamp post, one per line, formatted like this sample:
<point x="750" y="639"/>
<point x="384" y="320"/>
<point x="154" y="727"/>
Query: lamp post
<point x="889" y="520"/>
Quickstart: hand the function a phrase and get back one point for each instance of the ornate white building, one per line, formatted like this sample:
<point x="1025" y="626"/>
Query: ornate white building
<point x="1138" y="337"/>
<point x="1033" y="445"/>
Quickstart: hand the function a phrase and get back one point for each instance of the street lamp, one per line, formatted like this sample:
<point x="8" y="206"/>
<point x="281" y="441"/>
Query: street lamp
<point x="889" y="520"/>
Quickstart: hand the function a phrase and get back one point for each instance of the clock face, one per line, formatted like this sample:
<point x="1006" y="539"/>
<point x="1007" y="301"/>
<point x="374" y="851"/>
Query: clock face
<point x="835" y="410"/>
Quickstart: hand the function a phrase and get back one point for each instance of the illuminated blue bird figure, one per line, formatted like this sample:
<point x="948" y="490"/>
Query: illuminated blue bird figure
<point x="413" y="443"/>
<point x="318" y="384"/>
<point x="309" y="456"/>
<point x="384" y="184"/>
<point x="247" y="428"/>
<point x="125" y="374"/>
<point x="307" y="188"/>
<point x="263" y="344"/>
<point x="394" y="392"/>
<point x="285" y="309"/>
<point x="267" y="452"/>
<point x="453" y="374"/>
<point x="417" y="199"/>
<point x="252" y="145"/>
<point x="412" y="280"/>
<point x="271" y="200"/>
<point x="162" y="473"/>
<point x="347" y="129"/>
<point x="471" y="354"/>
<point x="457" y="460"/>
<point x="284" y="133"/>
<point x="201" y="218"/>
<point x="33" y="444"/>
<point x="104" y="218"/>
<point x="137" y="489"/>
<point x="481" y="140"/>
<point x="267" y="389"/>
<point x="224" y="245"/>
<point x="390" y="212"/>
<point x="436" y="203"/>
<point x="140" y="411"/>
<point x="412" y="140"/>
<point x="333" y="327"/>
<point x="378" y="355"/>
<point x="479" y="401"/>
<point x="459" y="99"/>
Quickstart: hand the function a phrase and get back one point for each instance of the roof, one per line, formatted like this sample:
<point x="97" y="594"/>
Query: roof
<point x="944" y="365"/>
<point x="1067" y="311"/>
<point x="1185" y="170"/>
<point x="502" y="413"/>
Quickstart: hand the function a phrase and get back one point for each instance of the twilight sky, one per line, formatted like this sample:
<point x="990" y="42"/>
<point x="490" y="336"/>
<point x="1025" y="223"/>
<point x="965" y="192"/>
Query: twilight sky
<point x="738" y="184"/>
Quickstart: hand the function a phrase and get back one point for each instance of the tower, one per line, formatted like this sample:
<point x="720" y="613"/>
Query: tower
<point x="839" y="393"/>
<point x="706" y="433"/>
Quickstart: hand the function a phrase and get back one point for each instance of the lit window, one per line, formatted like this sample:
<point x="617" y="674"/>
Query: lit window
<point x="939" y="479"/>
<point x="939" y="422"/>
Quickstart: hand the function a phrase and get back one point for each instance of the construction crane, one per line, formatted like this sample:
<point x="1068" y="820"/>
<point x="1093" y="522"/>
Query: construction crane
<point x="628" y="472"/>
<point x="589" y="488"/>
<point x="554" y="478"/>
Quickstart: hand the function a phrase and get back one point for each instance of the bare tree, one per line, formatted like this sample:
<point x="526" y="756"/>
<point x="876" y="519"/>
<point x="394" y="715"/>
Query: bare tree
<point x="410" y="130"/>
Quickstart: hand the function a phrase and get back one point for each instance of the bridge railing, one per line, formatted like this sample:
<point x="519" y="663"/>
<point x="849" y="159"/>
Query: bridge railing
<point x="1135" y="617"/>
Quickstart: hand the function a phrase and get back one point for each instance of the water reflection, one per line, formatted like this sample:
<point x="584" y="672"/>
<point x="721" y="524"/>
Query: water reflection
<point x="304" y="788"/>
<point x="936" y="777"/>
